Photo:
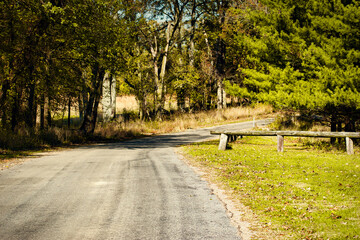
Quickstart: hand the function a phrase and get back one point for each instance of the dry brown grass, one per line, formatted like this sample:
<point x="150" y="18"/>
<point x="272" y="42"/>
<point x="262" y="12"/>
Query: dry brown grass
<point x="127" y="102"/>
<point x="180" y="122"/>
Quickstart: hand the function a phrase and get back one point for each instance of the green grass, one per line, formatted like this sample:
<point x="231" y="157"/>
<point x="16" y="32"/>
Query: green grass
<point x="303" y="193"/>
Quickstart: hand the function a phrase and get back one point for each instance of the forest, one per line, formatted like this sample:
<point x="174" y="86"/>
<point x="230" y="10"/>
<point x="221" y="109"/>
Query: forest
<point x="299" y="56"/>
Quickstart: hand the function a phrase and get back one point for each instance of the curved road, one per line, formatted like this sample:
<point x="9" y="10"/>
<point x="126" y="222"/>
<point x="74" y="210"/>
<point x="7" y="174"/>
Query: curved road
<point x="137" y="189"/>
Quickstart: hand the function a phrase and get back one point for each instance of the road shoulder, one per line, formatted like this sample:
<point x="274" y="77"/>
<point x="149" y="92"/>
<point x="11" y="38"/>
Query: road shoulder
<point x="241" y="216"/>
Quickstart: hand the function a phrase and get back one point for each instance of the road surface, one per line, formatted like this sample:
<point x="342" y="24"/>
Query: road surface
<point x="137" y="189"/>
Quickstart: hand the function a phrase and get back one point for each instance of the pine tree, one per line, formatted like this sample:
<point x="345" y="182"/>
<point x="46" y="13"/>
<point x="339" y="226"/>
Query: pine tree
<point x="302" y="55"/>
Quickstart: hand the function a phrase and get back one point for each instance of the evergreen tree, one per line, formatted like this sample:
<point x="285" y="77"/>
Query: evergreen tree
<point x="302" y="55"/>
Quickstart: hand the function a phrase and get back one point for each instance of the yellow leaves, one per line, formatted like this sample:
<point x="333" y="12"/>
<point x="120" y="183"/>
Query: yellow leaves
<point x="52" y="9"/>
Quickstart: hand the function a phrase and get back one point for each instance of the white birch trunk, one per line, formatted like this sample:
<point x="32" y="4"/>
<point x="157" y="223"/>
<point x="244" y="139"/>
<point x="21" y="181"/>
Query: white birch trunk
<point x="106" y="98"/>
<point x="224" y="98"/>
<point x="163" y="67"/>
<point x="220" y="100"/>
<point x="113" y="96"/>
<point x="154" y="53"/>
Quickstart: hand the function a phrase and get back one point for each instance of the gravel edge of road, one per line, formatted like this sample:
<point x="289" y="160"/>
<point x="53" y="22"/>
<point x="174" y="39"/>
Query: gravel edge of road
<point x="234" y="210"/>
<point x="10" y="163"/>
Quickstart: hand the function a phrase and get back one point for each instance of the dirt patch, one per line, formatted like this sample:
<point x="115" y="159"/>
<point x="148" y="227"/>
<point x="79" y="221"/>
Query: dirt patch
<point x="8" y="163"/>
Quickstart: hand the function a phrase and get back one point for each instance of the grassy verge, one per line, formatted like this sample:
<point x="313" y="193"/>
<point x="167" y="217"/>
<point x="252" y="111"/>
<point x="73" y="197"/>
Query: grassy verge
<point x="303" y="193"/>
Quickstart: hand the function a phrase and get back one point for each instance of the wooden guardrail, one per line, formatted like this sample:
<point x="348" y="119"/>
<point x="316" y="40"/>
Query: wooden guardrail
<point x="226" y="136"/>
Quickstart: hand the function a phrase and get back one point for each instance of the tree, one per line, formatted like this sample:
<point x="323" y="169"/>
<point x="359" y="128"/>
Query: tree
<point x="97" y="26"/>
<point x="51" y="49"/>
<point x="302" y="56"/>
<point x="33" y="46"/>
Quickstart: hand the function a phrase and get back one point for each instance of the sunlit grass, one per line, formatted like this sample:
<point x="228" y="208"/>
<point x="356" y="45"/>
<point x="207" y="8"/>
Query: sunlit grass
<point x="303" y="193"/>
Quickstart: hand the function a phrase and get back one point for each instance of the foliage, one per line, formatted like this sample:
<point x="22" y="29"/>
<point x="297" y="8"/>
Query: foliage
<point x="52" y="52"/>
<point x="300" y="55"/>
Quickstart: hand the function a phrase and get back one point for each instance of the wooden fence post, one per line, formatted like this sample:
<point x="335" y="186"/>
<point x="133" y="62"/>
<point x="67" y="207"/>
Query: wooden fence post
<point x="349" y="146"/>
<point x="226" y="136"/>
<point x="280" y="143"/>
<point x="223" y="141"/>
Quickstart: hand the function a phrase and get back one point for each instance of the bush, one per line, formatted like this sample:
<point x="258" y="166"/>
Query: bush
<point x="17" y="141"/>
<point x="52" y="137"/>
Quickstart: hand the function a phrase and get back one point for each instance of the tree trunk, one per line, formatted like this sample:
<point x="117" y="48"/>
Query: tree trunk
<point x="95" y="111"/>
<point x="220" y="52"/>
<point x="90" y="116"/>
<point x="49" y="121"/>
<point x="106" y="98"/>
<point x="350" y="125"/>
<point x="154" y="54"/>
<point x="162" y="91"/>
<point x="219" y="94"/>
<point x="15" y="110"/>
<point x="210" y="73"/>
<point x="113" y="96"/>
<point x="224" y="102"/>
<point x="192" y="36"/>
<point x="220" y="72"/>
<point x="69" y="113"/>
<point x="81" y="107"/>
<point x="109" y="97"/>
<point x="30" y="118"/>
<point x="141" y="96"/>
<point x="3" y="103"/>
<point x="42" y="112"/>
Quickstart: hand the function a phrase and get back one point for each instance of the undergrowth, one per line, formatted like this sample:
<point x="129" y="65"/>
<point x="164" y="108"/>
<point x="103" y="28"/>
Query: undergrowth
<point x="182" y="121"/>
<point x="125" y="127"/>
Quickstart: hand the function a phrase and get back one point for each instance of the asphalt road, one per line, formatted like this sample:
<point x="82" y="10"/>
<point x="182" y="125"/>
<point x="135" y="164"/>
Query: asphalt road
<point x="130" y="190"/>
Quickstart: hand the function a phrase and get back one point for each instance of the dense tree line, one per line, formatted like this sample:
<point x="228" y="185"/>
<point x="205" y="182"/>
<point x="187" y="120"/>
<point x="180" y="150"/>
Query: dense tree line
<point x="53" y="53"/>
<point x="303" y="56"/>
<point x="300" y="56"/>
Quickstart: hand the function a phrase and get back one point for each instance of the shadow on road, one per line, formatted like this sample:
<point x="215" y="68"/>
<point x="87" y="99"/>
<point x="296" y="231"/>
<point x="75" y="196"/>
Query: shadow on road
<point x="176" y="139"/>
<point x="162" y="141"/>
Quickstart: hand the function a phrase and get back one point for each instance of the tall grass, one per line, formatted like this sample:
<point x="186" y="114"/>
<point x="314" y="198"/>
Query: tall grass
<point x="180" y="122"/>
<point x="121" y="128"/>
<point x="26" y="140"/>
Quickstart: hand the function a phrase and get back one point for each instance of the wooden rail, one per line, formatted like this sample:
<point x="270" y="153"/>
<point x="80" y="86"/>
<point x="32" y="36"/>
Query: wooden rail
<point x="226" y="136"/>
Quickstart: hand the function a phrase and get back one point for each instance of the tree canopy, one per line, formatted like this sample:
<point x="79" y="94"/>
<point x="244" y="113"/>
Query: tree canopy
<point x="301" y="56"/>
